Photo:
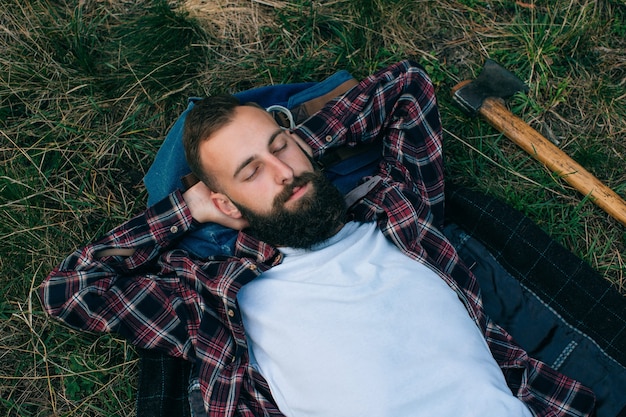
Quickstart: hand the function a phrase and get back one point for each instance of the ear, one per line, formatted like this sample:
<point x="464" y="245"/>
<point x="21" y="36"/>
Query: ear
<point x="225" y="205"/>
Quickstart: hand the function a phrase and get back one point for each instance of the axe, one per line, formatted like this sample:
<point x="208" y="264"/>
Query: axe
<point x="484" y="96"/>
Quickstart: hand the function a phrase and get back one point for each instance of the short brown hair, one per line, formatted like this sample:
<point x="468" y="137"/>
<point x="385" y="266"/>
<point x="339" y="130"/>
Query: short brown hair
<point x="203" y="120"/>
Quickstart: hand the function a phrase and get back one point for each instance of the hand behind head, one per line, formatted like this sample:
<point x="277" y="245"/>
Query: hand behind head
<point x="207" y="206"/>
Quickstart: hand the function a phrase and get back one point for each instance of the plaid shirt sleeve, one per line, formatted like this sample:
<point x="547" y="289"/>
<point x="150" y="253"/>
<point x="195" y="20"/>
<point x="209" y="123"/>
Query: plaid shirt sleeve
<point x="398" y="106"/>
<point x="114" y="285"/>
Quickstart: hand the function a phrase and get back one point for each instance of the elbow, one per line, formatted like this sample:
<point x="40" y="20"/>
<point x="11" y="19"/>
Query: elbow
<point x="51" y="298"/>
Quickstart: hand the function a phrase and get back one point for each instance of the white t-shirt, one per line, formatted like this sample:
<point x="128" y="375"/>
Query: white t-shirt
<point x="356" y="328"/>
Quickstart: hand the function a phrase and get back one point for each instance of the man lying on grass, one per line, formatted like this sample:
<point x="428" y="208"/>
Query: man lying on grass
<point x="330" y="306"/>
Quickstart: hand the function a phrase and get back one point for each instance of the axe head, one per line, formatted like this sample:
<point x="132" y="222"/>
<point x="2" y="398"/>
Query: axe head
<point x="493" y="81"/>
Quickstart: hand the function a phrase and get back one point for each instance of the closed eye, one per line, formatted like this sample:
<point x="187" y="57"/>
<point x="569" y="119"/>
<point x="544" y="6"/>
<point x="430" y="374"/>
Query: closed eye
<point x="279" y="145"/>
<point x="253" y="173"/>
<point x="280" y="149"/>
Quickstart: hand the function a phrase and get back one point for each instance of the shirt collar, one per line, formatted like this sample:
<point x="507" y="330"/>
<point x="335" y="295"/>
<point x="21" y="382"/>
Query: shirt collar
<point x="248" y="246"/>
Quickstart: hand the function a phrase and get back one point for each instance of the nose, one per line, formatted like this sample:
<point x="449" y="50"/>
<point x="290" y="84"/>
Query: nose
<point x="283" y="173"/>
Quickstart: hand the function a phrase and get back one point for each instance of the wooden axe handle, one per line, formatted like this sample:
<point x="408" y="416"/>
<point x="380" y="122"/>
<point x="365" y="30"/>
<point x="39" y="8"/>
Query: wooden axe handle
<point x="496" y="113"/>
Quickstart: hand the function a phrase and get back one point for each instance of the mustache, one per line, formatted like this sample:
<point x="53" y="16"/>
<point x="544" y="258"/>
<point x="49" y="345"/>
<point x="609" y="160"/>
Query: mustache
<point x="298" y="181"/>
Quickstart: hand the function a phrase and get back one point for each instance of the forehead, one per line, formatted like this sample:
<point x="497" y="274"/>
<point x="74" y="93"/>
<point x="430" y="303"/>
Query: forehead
<point x="247" y="119"/>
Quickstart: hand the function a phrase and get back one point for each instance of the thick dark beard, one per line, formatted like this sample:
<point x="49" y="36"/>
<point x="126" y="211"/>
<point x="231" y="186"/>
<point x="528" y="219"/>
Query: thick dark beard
<point x="317" y="217"/>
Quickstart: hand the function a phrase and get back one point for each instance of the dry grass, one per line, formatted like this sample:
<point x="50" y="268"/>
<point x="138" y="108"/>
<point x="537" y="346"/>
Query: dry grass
<point x="89" y="88"/>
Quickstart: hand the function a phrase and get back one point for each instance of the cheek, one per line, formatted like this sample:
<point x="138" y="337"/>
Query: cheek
<point x="301" y="163"/>
<point x="305" y="146"/>
<point x="258" y="195"/>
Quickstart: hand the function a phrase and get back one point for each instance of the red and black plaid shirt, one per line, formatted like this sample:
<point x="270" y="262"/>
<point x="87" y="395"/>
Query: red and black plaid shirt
<point x="161" y="298"/>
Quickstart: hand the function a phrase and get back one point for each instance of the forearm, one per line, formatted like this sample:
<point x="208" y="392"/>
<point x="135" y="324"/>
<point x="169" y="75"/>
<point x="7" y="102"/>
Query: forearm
<point x="134" y="243"/>
<point x="110" y="284"/>
<point x="367" y="111"/>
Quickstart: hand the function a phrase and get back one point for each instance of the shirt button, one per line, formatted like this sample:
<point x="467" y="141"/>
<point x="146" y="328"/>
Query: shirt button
<point x="174" y="229"/>
<point x="252" y="267"/>
<point x="231" y="313"/>
<point x="329" y="139"/>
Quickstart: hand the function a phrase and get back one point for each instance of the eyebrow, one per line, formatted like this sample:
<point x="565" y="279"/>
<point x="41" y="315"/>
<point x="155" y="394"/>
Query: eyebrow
<point x="245" y="163"/>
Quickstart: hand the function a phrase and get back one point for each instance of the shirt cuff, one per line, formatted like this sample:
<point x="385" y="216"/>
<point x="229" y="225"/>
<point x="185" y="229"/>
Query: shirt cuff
<point x="169" y="219"/>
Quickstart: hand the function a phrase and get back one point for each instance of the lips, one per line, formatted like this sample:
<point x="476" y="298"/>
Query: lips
<point x="298" y="192"/>
<point x="300" y="186"/>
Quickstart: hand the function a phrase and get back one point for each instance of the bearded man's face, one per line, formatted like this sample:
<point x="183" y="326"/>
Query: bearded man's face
<point x="317" y="216"/>
<point x="266" y="176"/>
